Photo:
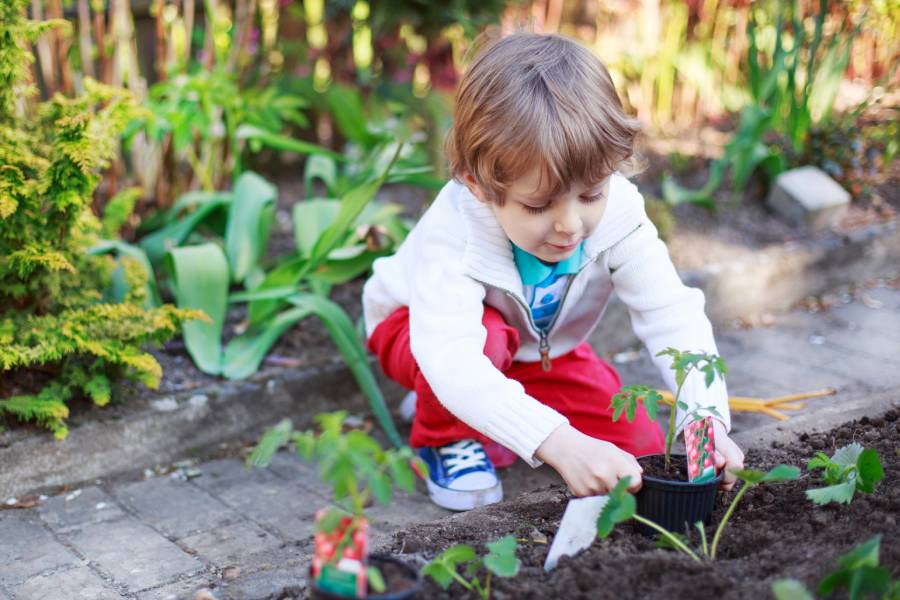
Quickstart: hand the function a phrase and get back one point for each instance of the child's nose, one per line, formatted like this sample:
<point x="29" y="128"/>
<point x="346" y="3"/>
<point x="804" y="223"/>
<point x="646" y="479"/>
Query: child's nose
<point x="567" y="223"/>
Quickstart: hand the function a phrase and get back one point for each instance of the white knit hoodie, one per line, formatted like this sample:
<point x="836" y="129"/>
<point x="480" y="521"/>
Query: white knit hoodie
<point x="457" y="258"/>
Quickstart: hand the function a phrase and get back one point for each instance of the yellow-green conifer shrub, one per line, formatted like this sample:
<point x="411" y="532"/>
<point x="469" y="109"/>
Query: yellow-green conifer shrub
<point x="58" y="338"/>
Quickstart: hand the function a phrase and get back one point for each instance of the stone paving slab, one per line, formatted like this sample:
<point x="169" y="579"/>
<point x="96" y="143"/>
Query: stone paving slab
<point x="29" y="549"/>
<point x="174" y="507"/>
<point x="133" y="554"/>
<point x="79" y="583"/>
<point x="80" y="508"/>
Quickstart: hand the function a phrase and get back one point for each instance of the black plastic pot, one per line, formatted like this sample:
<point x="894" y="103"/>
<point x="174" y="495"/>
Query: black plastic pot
<point x="675" y="505"/>
<point x="378" y="561"/>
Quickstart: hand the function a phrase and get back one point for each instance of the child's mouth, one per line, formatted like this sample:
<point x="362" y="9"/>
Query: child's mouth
<point x="563" y="248"/>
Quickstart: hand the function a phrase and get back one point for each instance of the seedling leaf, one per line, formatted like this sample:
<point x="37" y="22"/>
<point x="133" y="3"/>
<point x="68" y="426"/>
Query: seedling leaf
<point x="870" y="471"/>
<point x="403" y="474"/>
<point x="782" y="473"/>
<point x="851" y="468"/>
<point x="381" y="487"/>
<point x="501" y="560"/>
<point x="790" y="589"/>
<point x="442" y="567"/>
<point x="667" y="543"/>
<point x="848" y="455"/>
<point x="269" y="444"/>
<point x="620" y="507"/>
<point x="376" y="581"/>
<point x="842" y="492"/>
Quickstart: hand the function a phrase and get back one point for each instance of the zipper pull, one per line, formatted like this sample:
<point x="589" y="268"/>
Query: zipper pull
<point x="544" y="349"/>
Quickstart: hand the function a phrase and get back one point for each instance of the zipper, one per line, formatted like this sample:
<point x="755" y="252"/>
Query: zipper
<point x="544" y="342"/>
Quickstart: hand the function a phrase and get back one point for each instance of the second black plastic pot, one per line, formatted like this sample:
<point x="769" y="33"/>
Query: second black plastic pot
<point x="675" y="505"/>
<point x="408" y="572"/>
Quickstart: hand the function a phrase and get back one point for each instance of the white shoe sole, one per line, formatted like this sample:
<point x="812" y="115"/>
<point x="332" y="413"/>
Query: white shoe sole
<point x="464" y="499"/>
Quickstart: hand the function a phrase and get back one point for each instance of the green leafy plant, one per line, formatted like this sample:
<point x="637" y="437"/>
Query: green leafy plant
<point x="333" y="246"/>
<point x="353" y="464"/>
<point x="795" y="89"/>
<point x="72" y="321"/>
<point x="500" y="561"/>
<point x="683" y="363"/>
<point x="621" y="507"/>
<point x="858" y="572"/>
<point x="851" y="469"/>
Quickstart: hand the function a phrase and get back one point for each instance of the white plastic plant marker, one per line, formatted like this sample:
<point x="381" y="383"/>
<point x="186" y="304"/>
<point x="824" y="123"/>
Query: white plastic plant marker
<point x="577" y="529"/>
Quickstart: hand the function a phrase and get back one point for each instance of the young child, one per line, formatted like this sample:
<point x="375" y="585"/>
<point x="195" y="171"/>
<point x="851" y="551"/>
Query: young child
<point x="485" y="308"/>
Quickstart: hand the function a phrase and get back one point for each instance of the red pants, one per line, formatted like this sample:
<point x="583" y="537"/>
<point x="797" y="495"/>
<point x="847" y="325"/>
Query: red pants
<point x="579" y="385"/>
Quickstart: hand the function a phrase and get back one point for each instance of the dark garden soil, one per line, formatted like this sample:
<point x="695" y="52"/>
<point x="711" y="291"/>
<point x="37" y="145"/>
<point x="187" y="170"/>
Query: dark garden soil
<point x="775" y="533"/>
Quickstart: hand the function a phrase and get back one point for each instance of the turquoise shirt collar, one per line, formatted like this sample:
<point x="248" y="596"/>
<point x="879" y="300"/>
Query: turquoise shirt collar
<point x="533" y="271"/>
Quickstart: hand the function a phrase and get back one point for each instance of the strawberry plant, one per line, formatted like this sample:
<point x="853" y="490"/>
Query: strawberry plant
<point x="851" y="469"/>
<point x="357" y="469"/>
<point x="858" y="572"/>
<point x="683" y="363"/>
<point x="621" y="507"/>
<point x="500" y="561"/>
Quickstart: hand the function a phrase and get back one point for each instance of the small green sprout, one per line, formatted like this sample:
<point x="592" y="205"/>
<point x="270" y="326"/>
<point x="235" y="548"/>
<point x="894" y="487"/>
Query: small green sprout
<point x="500" y="561"/>
<point x="851" y="469"/>
<point x="621" y="507"/>
<point x="858" y="571"/>
<point x="682" y="363"/>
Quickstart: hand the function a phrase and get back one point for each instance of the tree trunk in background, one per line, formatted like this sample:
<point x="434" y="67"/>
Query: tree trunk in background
<point x="292" y="37"/>
<point x="61" y="44"/>
<point x="44" y="53"/>
<point x="84" y="38"/>
<point x="339" y="47"/>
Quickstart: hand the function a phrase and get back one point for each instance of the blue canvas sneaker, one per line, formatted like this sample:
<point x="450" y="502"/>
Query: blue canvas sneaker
<point x="461" y="476"/>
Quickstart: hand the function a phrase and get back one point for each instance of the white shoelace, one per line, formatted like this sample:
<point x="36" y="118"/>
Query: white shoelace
<point x="462" y="455"/>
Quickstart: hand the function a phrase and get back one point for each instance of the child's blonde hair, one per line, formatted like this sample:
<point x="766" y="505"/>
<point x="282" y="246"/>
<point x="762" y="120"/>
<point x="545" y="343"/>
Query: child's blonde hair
<point x="537" y="100"/>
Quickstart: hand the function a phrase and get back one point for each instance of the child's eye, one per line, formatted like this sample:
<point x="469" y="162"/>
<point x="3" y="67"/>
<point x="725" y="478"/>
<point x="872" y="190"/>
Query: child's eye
<point x="536" y="210"/>
<point x="587" y="199"/>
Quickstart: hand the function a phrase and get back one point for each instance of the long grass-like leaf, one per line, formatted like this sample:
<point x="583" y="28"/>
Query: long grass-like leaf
<point x="257" y="136"/>
<point x="173" y="235"/>
<point x="341" y="329"/>
<point x="249" y="223"/>
<point x="200" y="275"/>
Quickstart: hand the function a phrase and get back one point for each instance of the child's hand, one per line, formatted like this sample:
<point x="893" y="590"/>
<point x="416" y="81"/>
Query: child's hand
<point x="589" y="466"/>
<point x="728" y="455"/>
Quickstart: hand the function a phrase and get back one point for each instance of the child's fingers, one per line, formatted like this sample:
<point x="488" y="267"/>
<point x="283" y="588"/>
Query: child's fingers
<point x="720" y="460"/>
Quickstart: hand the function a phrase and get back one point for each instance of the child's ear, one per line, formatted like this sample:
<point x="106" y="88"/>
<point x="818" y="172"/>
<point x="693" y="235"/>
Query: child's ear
<point x="473" y="186"/>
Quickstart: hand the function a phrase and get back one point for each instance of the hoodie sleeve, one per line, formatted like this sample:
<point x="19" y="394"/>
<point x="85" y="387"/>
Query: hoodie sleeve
<point x="666" y="313"/>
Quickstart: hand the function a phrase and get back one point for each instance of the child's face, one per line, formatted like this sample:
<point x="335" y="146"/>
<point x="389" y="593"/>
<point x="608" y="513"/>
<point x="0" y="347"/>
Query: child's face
<point x="548" y="228"/>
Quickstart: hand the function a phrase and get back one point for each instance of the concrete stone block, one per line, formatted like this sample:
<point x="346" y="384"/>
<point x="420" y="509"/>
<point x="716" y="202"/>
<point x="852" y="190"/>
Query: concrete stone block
<point x="27" y="549"/>
<point x="175" y="507"/>
<point x="279" y="505"/>
<point x="79" y="583"/>
<point x="133" y="554"/>
<point x="274" y="583"/>
<point x="185" y="589"/>
<point x="79" y="508"/>
<point x="233" y="545"/>
<point x="808" y="196"/>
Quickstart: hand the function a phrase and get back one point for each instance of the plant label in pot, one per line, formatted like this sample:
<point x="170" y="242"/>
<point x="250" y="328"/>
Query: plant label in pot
<point x="339" y="553"/>
<point x="700" y="443"/>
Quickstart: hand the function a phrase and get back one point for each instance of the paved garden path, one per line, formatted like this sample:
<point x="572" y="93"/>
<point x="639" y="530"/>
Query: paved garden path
<point x="245" y="533"/>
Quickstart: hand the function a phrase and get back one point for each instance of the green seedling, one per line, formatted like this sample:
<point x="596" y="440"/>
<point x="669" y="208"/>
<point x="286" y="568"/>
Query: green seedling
<point x="353" y="464"/>
<point x="500" y="561"/>
<point x="683" y="363"/>
<point x="851" y="469"/>
<point x="622" y="507"/>
<point x="858" y="572"/>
